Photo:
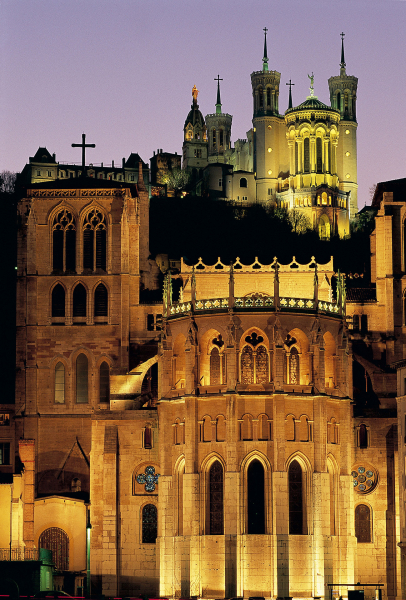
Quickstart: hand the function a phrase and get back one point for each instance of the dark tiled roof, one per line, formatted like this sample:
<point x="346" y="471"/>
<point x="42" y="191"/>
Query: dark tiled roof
<point x="361" y="294"/>
<point x="42" y="155"/>
<point x="311" y="104"/>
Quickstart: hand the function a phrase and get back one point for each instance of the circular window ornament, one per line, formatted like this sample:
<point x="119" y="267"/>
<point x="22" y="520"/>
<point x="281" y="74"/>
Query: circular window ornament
<point x="269" y="149"/>
<point x="364" y="478"/>
<point x="269" y="126"/>
<point x="269" y="172"/>
<point x="348" y="176"/>
<point x="348" y="154"/>
<point x="347" y="132"/>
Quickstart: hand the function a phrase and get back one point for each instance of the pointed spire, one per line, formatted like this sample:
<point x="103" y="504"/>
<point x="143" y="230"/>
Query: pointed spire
<point x="290" y="93"/>
<point x="265" y="59"/>
<point x="342" y="63"/>
<point x="218" y="103"/>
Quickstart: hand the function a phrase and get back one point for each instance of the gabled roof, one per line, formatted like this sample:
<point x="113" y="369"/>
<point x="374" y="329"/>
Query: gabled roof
<point x="396" y="186"/>
<point x="42" y="155"/>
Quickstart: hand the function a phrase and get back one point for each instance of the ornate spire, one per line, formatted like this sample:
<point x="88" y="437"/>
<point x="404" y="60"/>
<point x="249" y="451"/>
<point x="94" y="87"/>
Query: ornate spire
<point x="218" y="103"/>
<point x="342" y="63"/>
<point x="265" y="59"/>
<point x="290" y="93"/>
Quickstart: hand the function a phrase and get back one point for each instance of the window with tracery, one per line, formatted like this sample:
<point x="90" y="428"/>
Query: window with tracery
<point x="56" y="540"/>
<point x="64" y="242"/>
<point x="295" y="499"/>
<point x="254" y="362"/>
<point x="100" y="301"/>
<point x="216" y="501"/>
<point x="58" y="301"/>
<point x="149" y="524"/>
<point x="215" y="378"/>
<point x="363" y="524"/>
<point x="79" y="301"/>
<point x="59" y="383"/>
<point x="256" y="497"/>
<point x="94" y="241"/>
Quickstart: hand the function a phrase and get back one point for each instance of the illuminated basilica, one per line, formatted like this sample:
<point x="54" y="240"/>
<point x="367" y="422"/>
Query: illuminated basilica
<point x="242" y="440"/>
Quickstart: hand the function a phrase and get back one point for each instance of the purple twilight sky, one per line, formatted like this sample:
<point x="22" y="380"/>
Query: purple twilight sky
<point x="122" y="72"/>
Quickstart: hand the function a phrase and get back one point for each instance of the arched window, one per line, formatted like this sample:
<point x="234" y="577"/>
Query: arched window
<point x="246" y="428"/>
<point x="216" y="503"/>
<point x="64" y="242"/>
<point x="261" y="364"/>
<point x="324" y="227"/>
<point x="59" y="383"/>
<point x="306" y="155"/>
<point x="304" y="429"/>
<point x="256" y="497"/>
<point x="181" y="473"/>
<point x="207" y="429"/>
<point x="293" y="367"/>
<point x="215" y="378"/>
<point x="75" y="485"/>
<point x="100" y="301"/>
<point x="213" y="137"/>
<point x="295" y="499"/>
<point x="220" y="429"/>
<point x="149" y="524"/>
<point x="363" y="436"/>
<point x="94" y="241"/>
<point x="296" y="157"/>
<point x="263" y="428"/>
<point x="247" y="365"/>
<point x="243" y="182"/>
<point x="290" y="428"/>
<point x="104" y="382"/>
<point x="79" y="301"/>
<point x="319" y="155"/>
<point x="58" y="301"/>
<point x="82" y="369"/>
<point x="260" y="97"/>
<point x="147" y="437"/>
<point x="57" y="541"/>
<point x="221" y="132"/>
<point x="254" y="365"/>
<point x="363" y="524"/>
<point x="268" y="96"/>
<point x="339" y="101"/>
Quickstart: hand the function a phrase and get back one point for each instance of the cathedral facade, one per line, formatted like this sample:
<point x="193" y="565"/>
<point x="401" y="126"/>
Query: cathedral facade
<point x="245" y="440"/>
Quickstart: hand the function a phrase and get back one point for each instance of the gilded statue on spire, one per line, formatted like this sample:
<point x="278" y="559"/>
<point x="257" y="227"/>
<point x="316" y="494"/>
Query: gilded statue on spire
<point x="195" y="91"/>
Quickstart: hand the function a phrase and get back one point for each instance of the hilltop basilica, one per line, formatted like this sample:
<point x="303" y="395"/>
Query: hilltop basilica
<point x="245" y="440"/>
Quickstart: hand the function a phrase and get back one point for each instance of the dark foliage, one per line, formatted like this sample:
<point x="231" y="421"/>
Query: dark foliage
<point x="193" y="227"/>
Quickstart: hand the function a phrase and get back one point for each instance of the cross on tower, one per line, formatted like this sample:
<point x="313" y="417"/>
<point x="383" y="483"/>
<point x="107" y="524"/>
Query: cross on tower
<point x="290" y="92"/>
<point x="218" y="79"/>
<point x="83" y="145"/>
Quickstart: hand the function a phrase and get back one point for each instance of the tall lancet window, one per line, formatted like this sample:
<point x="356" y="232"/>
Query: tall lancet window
<point x="293" y="367"/>
<point x="306" y="155"/>
<point x="94" y="241"/>
<point x="256" y="497"/>
<point x="64" y="242"/>
<point x="216" y="501"/>
<point x="296" y="520"/>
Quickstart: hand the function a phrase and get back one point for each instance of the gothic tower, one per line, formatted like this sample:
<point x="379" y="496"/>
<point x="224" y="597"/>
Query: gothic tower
<point x="343" y="97"/>
<point x="270" y="156"/>
<point x="219" y="131"/>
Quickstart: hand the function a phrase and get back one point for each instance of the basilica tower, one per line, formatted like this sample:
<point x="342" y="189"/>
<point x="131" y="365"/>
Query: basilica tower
<point x="343" y="97"/>
<point x="219" y="131"/>
<point x="270" y="155"/>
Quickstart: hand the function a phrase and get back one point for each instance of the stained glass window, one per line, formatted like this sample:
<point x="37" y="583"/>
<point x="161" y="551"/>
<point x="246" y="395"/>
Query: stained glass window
<point x="256" y="498"/>
<point x="294" y="367"/>
<point x="57" y="541"/>
<point x="363" y="523"/>
<point x="262" y="365"/>
<point x="295" y="499"/>
<point x="247" y="364"/>
<point x="149" y="524"/>
<point x="216" y="508"/>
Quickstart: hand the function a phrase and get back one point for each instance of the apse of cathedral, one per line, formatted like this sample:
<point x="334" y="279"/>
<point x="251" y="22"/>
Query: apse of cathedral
<point x="244" y="438"/>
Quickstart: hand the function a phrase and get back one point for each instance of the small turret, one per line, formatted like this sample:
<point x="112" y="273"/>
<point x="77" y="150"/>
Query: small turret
<point x="218" y="129"/>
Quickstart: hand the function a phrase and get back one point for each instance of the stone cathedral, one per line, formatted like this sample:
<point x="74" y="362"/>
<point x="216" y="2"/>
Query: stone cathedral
<point x="245" y="440"/>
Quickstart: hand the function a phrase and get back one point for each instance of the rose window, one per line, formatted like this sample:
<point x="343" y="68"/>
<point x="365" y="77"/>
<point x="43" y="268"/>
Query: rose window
<point x="364" y="478"/>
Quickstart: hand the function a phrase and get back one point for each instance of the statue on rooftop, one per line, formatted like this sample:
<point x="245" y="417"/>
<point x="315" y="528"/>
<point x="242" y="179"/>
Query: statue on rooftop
<point x="195" y="91"/>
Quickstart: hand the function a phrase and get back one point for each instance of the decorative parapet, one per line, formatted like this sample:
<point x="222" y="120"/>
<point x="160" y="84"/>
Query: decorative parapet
<point x="257" y="267"/>
<point x="264" y="303"/>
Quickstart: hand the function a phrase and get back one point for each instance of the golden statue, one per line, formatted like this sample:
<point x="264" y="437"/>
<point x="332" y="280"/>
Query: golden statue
<point x="195" y="91"/>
